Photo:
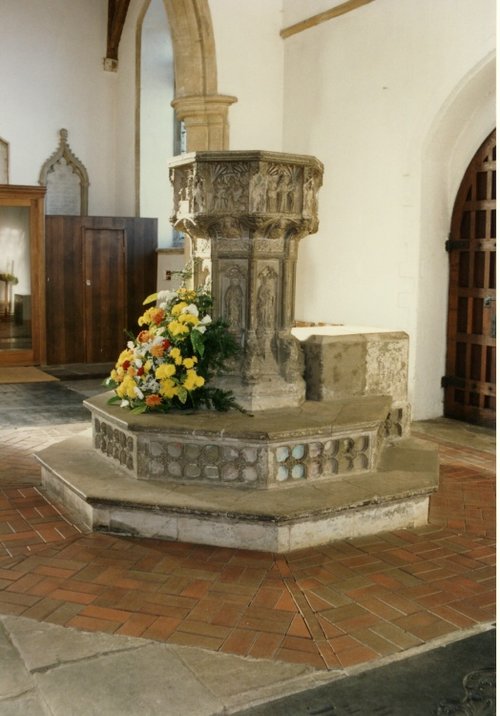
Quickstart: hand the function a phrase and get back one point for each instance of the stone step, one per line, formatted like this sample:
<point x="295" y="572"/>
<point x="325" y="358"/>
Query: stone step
<point x="104" y="496"/>
<point x="272" y="448"/>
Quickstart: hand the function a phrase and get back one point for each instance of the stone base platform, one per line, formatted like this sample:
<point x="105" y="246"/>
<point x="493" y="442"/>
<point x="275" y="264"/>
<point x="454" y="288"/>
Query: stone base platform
<point x="105" y="497"/>
<point x="273" y="449"/>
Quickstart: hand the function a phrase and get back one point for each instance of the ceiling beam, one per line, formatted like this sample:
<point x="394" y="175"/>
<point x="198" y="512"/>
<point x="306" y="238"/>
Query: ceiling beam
<point x="117" y="14"/>
<point x="323" y="17"/>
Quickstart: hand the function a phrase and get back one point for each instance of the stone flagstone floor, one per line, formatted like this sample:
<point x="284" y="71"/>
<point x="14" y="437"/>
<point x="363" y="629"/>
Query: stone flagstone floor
<point x="337" y="606"/>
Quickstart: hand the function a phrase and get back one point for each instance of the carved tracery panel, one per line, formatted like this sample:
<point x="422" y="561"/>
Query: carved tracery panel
<point x="66" y="180"/>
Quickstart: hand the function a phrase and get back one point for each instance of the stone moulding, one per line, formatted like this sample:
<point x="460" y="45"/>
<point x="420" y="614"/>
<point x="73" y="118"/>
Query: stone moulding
<point x="252" y="187"/>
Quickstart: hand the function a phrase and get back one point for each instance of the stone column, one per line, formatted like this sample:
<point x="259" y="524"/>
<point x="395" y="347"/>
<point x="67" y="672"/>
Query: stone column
<point x="245" y="212"/>
<point x="206" y="121"/>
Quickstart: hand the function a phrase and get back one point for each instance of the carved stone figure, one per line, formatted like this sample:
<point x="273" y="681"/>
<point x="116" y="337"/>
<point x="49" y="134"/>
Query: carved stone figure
<point x="258" y="193"/>
<point x="266" y="300"/>
<point x="233" y="304"/>
<point x="272" y="194"/>
<point x="198" y="194"/>
<point x="310" y="203"/>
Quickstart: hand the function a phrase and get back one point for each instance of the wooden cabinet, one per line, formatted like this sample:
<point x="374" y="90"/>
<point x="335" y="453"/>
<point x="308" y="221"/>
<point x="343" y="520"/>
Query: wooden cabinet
<point x="22" y="297"/>
<point x="98" y="271"/>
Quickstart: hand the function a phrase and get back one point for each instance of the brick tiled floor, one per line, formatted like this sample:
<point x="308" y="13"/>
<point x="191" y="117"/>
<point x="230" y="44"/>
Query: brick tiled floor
<point x="340" y="605"/>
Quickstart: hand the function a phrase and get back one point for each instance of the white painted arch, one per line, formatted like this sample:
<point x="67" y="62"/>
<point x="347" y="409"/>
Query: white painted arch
<point x="464" y="121"/>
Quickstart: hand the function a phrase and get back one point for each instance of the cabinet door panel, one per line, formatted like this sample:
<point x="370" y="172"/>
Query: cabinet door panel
<point x="99" y="270"/>
<point x="104" y="293"/>
<point x="63" y="290"/>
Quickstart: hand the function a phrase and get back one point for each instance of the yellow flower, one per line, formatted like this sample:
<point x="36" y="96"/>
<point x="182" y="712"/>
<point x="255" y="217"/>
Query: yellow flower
<point x="176" y="356"/>
<point x="189" y="318"/>
<point x="193" y="380"/>
<point x="168" y="388"/>
<point x="186" y="294"/>
<point x="127" y="388"/>
<point x="190" y="362"/>
<point x="145" y="319"/>
<point x="177" y="309"/>
<point x="177" y="329"/>
<point x="148" y="365"/>
<point x="125" y="355"/>
<point x="165" y="370"/>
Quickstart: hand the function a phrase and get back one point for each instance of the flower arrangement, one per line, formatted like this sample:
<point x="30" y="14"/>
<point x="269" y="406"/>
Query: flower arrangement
<point x="9" y="278"/>
<point x="170" y="363"/>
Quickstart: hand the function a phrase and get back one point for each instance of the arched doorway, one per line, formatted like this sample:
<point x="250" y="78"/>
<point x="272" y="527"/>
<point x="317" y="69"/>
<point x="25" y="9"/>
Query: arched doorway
<point x="470" y="379"/>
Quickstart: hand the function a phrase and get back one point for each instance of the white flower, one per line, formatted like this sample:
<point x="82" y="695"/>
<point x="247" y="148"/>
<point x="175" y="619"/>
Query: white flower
<point x="124" y="404"/>
<point x="192" y="309"/>
<point x="139" y="393"/>
<point x="131" y="345"/>
<point x="138" y="362"/>
<point x="165" y="297"/>
<point x="202" y="325"/>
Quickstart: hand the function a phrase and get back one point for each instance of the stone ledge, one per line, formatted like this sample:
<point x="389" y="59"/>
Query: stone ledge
<point x="311" y="418"/>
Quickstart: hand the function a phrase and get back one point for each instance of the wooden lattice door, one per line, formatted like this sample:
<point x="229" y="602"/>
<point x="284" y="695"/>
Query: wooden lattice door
<point x="470" y="363"/>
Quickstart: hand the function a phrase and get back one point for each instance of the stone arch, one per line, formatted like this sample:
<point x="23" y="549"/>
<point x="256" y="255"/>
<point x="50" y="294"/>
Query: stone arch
<point x="464" y="121"/>
<point x="196" y="103"/>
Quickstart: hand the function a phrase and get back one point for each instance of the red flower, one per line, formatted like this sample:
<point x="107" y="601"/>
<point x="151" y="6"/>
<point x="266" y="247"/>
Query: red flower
<point x="126" y="365"/>
<point x="140" y="371"/>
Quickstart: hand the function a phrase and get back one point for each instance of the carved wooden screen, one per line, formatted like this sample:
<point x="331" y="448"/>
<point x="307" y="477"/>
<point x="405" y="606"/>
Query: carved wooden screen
<point x="470" y="365"/>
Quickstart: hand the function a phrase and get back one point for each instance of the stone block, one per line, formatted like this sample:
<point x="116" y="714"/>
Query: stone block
<point x="342" y="363"/>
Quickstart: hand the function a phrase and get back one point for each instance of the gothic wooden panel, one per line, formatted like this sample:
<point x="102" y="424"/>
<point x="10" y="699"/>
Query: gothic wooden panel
<point x="470" y="381"/>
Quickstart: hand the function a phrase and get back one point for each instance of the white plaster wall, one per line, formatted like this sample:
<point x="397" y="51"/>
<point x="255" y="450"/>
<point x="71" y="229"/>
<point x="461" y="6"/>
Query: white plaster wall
<point x="362" y="92"/>
<point x="51" y="57"/>
<point x="250" y="56"/>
